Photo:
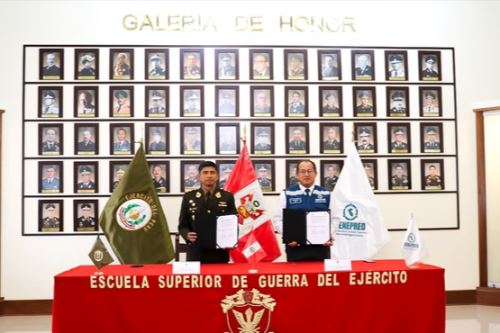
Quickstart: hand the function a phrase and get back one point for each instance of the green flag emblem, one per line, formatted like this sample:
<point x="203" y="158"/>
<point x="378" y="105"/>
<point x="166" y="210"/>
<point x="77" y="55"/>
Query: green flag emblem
<point x="99" y="254"/>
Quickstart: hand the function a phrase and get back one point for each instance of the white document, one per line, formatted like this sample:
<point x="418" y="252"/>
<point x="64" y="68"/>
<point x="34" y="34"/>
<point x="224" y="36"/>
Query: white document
<point x="186" y="267"/>
<point x="318" y="227"/>
<point x="332" y="265"/>
<point x="227" y="231"/>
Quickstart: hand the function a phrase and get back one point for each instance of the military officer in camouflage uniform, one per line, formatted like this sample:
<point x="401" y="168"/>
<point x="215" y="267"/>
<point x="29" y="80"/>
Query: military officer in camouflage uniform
<point x="399" y="180"/>
<point x="331" y="178"/>
<point x="433" y="180"/>
<point x="50" y="222"/>
<point x="86" y="222"/>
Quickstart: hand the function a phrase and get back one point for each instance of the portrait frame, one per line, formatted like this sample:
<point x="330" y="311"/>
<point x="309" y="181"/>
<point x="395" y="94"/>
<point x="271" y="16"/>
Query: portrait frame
<point x="117" y="110"/>
<point x="363" y="73"/>
<point x="127" y="145"/>
<point x="90" y="148"/>
<point x="55" y="186"/>
<point x="359" y="110"/>
<point x="327" y="181"/>
<point x="58" y="207"/>
<point x="114" y="167"/>
<point x="371" y="164"/>
<point x="392" y="73"/>
<point x="226" y="150"/>
<point x="160" y="186"/>
<point x="432" y="73"/>
<point x="153" y="93"/>
<point x="193" y="184"/>
<point x="430" y="182"/>
<point x="121" y="70"/>
<point x="86" y="56"/>
<point x="188" y="95"/>
<point x="299" y="73"/>
<point x="89" y="107"/>
<point x="222" y="166"/>
<point x="77" y="213"/>
<point x="55" y="71"/>
<point x="327" y="74"/>
<point x="157" y="148"/>
<point x="54" y="149"/>
<point x="232" y="71"/>
<point x="291" y="166"/>
<point x="292" y="109"/>
<point x="55" y="93"/>
<point x="78" y="169"/>
<point x="255" y="95"/>
<point x="295" y="148"/>
<point x="197" y="71"/>
<point x="359" y="128"/>
<point x="220" y="96"/>
<point x="258" y="130"/>
<point x="156" y="73"/>
<point x="430" y="98"/>
<point x="393" y="131"/>
<point x="327" y="109"/>
<point x="432" y="146"/>
<point x="197" y="129"/>
<point x="392" y="164"/>
<point x="267" y="184"/>
<point x="254" y="73"/>
<point x="398" y="101"/>
<point x="327" y="146"/>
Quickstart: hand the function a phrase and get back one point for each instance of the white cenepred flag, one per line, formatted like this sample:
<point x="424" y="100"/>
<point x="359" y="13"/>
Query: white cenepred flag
<point x="358" y="224"/>
<point x="413" y="246"/>
<point x="257" y="240"/>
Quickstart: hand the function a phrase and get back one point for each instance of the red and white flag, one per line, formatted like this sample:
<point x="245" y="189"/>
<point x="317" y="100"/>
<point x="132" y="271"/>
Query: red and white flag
<point x="257" y="240"/>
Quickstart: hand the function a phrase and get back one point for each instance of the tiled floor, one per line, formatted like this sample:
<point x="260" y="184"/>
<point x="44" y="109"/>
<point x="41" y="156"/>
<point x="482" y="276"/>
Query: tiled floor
<point x="459" y="319"/>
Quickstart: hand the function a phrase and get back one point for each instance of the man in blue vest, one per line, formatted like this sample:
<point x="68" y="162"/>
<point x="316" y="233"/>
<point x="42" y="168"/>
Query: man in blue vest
<point x="304" y="196"/>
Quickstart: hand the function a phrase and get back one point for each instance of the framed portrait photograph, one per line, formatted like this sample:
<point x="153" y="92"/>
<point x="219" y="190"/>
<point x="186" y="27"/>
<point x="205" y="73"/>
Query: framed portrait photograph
<point x="50" y="215"/>
<point x="331" y="138"/>
<point x="432" y="174"/>
<point x="85" y="175"/>
<point x="265" y="174"/>
<point x="86" y="64"/>
<point x="192" y="64"/>
<point x="86" y="215"/>
<point x="291" y="172"/>
<point x="399" y="138"/>
<point x="296" y="101"/>
<point x="86" y="139"/>
<point x="329" y="65"/>
<point x="226" y="64"/>
<point x="261" y="64"/>
<point x="50" y="139"/>
<point x="192" y="101"/>
<point x="227" y="100"/>
<point x="86" y="102"/>
<point x="157" y="139"/>
<point x="157" y="98"/>
<point x="430" y="65"/>
<point x="51" y="64"/>
<point x="192" y="142"/>
<point x="189" y="175"/>
<point x="430" y="101"/>
<point x="121" y="101"/>
<point x="330" y="172"/>
<point x="227" y="138"/>
<point x="224" y="167"/>
<point x="370" y="167"/>
<point x="330" y="101"/>
<point x="117" y="170"/>
<point x="396" y="64"/>
<point x="121" y="64"/>
<point x="50" y="102"/>
<point x="295" y="64"/>
<point x="262" y="101"/>
<point x="297" y="138"/>
<point x="366" y="137"/>
<point x="262" y="138"/>
<point x="431" y="135"/>
<point x="156" y="64"/>
<point x="121" y="139"/>
<point x="364" y="101"/>
<point x="363" y="64"/>
<point x="399" y="174"/>
<point x="160" y="175"/>
<point x="397" y="101"/>
<point x="50" y="176"/>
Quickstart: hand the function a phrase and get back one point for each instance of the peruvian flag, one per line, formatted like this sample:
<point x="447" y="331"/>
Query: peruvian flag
<point x="257" y="240"/>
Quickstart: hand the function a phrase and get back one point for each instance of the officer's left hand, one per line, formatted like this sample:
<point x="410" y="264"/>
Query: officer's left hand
<point x="328" y="243"/>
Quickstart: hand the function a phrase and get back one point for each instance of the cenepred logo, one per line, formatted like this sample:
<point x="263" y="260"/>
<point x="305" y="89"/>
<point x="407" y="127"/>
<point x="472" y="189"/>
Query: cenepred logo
<point x="134" y="214"/>
<point x="350" y="212"/>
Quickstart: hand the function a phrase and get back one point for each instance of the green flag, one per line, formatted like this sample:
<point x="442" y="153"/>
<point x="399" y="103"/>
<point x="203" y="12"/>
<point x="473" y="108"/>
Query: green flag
<point x="133" y="219"/>
<point x="99" y="254"/>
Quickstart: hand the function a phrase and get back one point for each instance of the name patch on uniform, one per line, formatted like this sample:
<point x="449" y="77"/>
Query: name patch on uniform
<point x="295" y="200"/>
<point x="222" y="204"/>
<point x="319" y="200"/>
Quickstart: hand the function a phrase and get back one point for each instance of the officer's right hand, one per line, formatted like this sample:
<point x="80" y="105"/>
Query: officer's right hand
<point x="192" y="236"/>
<point x="293" y="244"/>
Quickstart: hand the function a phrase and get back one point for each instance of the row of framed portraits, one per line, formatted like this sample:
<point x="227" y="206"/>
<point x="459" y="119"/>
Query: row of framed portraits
<point x="157" y="64"/>
<point x="157" y="100"/>
<point x="263" y="140"/>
